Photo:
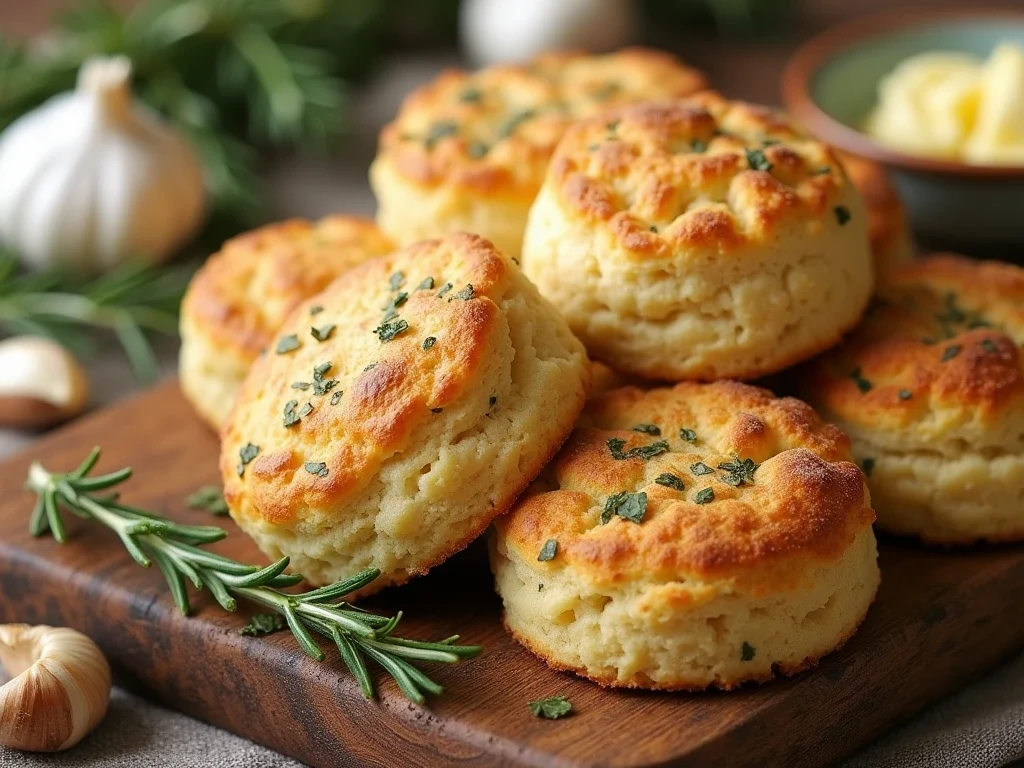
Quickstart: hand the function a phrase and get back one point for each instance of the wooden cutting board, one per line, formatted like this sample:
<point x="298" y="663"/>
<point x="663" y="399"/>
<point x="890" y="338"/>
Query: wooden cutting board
<point x="940" y="619"/>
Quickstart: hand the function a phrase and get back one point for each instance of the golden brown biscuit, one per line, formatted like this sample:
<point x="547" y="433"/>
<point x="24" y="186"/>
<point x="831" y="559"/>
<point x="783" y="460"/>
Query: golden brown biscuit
<point x="891" y="241"/>
<point x="703" y="535"/>
<point x="699" y="239"/>
<point x="439" y="386"/>
<point x="468" y="151"/>
<point x="930" y="389"/>
<point x="240" y="297"/>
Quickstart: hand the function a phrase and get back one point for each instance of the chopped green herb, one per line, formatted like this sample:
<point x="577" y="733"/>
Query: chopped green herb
<point x="426" y="285"/>
<point x="263" y="624"/>
<point x="303" y="385"/>
<point x="429" y="342"/>
<point x="862" y="384"/>
<point x="388" y="330"/>
<point x="477" y="149"/>
<point x="842" y="215"/>
<point x="305" y="410"/>
<point x="246" y="453"/>
<point x="688" y="435"/>
<point x="336" y="397"/>
<point x="288" y="344"/>
<point x="471" y="95"/>
<point x="747" y="652"/>
<point x="631" y="506"/>
<point x="868" y="465"/>
<point x="669" y="480"/>
<point x="320" y="370"/>
<point x="291" y="418"/>
<point x="514" y="122"/>
<point x="491" y="401"/>
<point x="444" y="290"/>
<point x="437" y="132"/>
<point x="465" y="294"/>
<point x="323" y="333"/>
<point x="822" y="170"/>
<point x="548" y="551"/>
<point x="700" y="468"/>
<point x="757" y="160"/>
<point x="371" y="366"/>
<point x="645" y="452"/>
<point x="769" y="142"/>
<point x="322" y="387"/>
<point x="551" y="708"/>
<point x="951" y="313"/>
<point x="739" y="471"/>
<point x="317" y="468"/>
<point x="647" y="429"/>
<point x="698" y="146"/>
<point x="989" y="346"/>
<point x="653" y="229"/>
<point x="209" y="498"/>
<point x="613" y="126"/>
<point x="396" y="281"/>
<point x="950" y="352"/>
<point x="316" y="309"/>
<point x="978" y="322"/>
<point x="904" y="394"/>
<point x="705" y="496"/>
<point x="391" y="308"/>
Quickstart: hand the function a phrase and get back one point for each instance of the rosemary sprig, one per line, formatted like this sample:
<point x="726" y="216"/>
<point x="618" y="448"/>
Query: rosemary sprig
<point x="128" y="301"/>
<point x="358" y="634"/>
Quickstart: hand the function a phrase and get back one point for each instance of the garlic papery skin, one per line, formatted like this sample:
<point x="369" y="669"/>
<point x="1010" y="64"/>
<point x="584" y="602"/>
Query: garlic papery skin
<point x="41" y="383"/>
<point x="59" y="687"/>
<point x="93" y="178"/>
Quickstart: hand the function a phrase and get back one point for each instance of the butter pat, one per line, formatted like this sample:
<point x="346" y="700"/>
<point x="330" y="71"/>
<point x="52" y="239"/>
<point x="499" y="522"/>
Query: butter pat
<point x="954" y="106"/>
<point x="998" y="135"/>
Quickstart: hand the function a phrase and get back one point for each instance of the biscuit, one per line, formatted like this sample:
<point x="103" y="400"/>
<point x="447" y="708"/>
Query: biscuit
<point x="686" y="537"/>
<point x="468" y="151"/>
<point x="888" y="227"/>
<point x="437" y="387"/>
<point x="239" y="298"/>
<point x="930" y="389"/>
<point x="699" y="239"/>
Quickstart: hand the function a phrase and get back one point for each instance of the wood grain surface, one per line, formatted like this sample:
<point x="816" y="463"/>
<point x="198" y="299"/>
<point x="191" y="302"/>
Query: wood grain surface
<point x="940" y="619"/>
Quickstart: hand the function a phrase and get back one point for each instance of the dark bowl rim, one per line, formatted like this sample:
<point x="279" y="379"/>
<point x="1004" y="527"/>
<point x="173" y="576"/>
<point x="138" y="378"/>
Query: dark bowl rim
<point x="809" y="57"/>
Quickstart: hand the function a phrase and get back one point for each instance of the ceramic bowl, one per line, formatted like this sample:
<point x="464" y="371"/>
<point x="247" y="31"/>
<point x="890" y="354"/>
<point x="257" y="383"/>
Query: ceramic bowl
<point x="831" y="83"/>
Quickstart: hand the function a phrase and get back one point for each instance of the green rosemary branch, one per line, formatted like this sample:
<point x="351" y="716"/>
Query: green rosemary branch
<point x="128" y="301"/>
<point x="233" y="74"/>
<point x="358" y="634"/>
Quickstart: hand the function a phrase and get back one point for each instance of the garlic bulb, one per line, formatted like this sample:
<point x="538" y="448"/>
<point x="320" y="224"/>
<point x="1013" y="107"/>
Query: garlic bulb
<point x="91" y="178"/>
<point x="497" y="31"/>
<point x="59" y="689"/>
<point x="41" y="383"/>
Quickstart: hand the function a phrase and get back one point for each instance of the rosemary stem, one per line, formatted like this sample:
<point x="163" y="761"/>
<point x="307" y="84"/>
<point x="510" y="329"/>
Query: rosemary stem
<point x="358" y="635"/>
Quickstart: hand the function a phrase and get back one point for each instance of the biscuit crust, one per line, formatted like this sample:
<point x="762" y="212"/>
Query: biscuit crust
<point x="931" y="390"/>
<point x="469" y="150"/>
<point x="676" y="594"/>
<point x="438" y="384"/>
<point x="241" y="296"/>
<point x="888" y="227"/>
<point x="699" y="239"/>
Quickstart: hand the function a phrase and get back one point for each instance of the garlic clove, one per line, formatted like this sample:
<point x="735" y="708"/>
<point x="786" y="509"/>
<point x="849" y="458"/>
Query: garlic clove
<point x="41" y="383"/>
<point x="59" y="691"/>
